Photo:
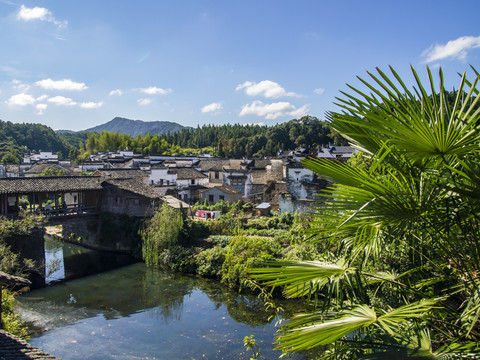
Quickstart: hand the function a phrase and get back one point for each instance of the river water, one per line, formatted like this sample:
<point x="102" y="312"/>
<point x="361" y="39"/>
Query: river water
<point x="135" y="312"/>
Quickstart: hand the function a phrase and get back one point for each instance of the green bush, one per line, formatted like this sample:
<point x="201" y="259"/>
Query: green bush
<point x="10" y="320"/>
<point x="210" y="261"/>
<point x="243" y="253"/>
<point x="159" y="233"/>
<point x="179" y="259"/>
<point x="218" y="240"/>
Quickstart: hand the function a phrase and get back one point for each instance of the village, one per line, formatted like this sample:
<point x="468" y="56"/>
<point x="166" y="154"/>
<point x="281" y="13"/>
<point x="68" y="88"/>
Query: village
<point x="122" y="182"/>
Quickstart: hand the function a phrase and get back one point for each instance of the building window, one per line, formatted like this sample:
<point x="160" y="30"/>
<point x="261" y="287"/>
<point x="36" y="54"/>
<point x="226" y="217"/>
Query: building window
<point x="210" y="198"/>
<point x="222" y="197"/>
<point x="217" y="175"/>
<point x="192" y="181"/>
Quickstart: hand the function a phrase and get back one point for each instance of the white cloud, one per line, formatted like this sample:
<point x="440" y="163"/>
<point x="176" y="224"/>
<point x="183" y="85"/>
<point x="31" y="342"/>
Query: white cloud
<point x="143" y="102"/>
<point x="153" y="90"/>
<point x="65" y="84"/>
<point x="41" y="97"/>
<point x="456" y="49"/>
<point x="265" y="88"/>
<point x="212" y="107"/>
<point x="91" y="105"/>
<point x="41" y="108"/>
<point x="21" y="100"/>
<point x="19" y="86"/>
<point x="38" y="13"/>
<point x="62" y="101"/>
<point x="116" y="92"/>
<point x="273" y="110"/>
<point x="319" y="91"/>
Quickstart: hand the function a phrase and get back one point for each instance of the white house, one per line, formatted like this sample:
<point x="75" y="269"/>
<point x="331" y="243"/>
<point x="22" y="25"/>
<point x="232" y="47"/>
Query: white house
<point x="43" y="155"/>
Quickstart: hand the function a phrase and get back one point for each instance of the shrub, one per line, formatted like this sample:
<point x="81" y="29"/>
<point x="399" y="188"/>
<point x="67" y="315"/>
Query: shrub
<point x="243" y="253"/>
<point x="179" y="259"/>
<point x="159" y="233"/>
<point x="10" y="320"/>
<point x="210" y="261"/>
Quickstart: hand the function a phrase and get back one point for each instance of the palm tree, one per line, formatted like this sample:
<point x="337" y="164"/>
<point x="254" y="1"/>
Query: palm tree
<point x="402" y="237"/>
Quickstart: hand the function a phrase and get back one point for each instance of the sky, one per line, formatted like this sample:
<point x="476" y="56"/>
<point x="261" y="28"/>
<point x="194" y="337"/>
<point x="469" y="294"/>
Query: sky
<point x="79" y="63"/>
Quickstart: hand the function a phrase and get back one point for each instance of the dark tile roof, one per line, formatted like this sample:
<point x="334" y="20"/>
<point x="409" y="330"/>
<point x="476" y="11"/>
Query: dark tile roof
<point x="227" y="189"/>
<point x="30" y="185"/>
<point x="14" y="348"/>
<point x="39" y="168"/>
<point x="121" y="173"/>
<point x="206" y="165"/>
<point x="135" y="186"/>
<point x="187" y="173"/>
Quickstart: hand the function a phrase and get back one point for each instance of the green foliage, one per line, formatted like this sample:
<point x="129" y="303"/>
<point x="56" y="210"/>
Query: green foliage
<point x="250" y="344"/>
<point x="10" y="263"/>
<point x="402" y="276"/>
<point x="10" y="158"/>
<point x="159" y="233"/>
<point x="244" y="253"/>
<point x="178" y="259"/>
<point x="225" y="225"/>
<point x="232" y="141"/>
<point x="15" y="137"/>
<point x="11" y="321"/>
<point x="210" y="261"/>
<point x="53" y="171"/>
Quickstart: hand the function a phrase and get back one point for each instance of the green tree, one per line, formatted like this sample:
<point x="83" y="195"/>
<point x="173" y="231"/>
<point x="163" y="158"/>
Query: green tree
<point x="160" y="232"/>
<point x="53" y="171"/>
<point x="401" y="275"/>
<point x="10" y="158"/>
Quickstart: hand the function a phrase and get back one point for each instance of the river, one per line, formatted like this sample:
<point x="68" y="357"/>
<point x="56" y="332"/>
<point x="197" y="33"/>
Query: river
<point x="135" y="312"/>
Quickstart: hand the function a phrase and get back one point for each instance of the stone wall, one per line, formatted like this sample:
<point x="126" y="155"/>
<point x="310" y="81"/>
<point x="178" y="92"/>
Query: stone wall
<point x="110" y="232"/>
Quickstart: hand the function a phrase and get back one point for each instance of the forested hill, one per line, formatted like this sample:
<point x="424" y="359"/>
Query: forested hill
<point x="137" y="127"/>
<point x="235" y="141"/>
<point x="35" y="137"/>
<point x="229" y="141"/>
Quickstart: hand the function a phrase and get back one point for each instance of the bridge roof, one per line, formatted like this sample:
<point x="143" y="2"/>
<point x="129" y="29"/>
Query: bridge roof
<point x="135" y="186"/>
<point x="13" y="186"/>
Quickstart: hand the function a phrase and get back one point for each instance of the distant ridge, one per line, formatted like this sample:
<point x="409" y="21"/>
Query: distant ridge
<point x="137" y="127"/>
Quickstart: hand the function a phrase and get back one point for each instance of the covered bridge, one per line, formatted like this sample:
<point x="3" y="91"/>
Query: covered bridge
<point x="63" y="194"/>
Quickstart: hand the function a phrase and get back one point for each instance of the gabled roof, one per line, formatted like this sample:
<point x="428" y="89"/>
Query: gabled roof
<point x="227" y="189"/>
<point x="121" y="173"/>
<point x="29" y="185"/>
<point x="175" y="203"/>
<point x="135" y="186"/>
<point x="39" y="168"/>
<point x="186" y="173"/>
<point x="214" y="165"/>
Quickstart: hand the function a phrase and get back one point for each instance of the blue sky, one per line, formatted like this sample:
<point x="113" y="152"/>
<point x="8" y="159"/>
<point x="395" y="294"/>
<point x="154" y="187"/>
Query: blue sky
<point x="79" y="63"/>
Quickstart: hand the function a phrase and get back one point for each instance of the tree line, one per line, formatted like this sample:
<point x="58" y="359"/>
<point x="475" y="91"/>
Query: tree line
<point x="227" y="141"/>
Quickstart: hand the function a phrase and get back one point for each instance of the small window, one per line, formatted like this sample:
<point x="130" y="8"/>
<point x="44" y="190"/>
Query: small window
<point x="192" y="181"/>
<point x="217" y="175"/>
<point x="222" y="197"/>
<point x="210" y="198"/>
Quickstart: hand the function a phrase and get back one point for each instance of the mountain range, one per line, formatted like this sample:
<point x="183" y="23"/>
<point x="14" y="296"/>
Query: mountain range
<point x="137" y="127"/>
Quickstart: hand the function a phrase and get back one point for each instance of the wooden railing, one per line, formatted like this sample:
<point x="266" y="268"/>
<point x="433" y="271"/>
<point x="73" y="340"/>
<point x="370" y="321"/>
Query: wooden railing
<point x="71" y="210"/>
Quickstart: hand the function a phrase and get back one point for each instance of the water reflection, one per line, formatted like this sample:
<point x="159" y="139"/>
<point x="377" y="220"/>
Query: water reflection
<point x="137" y="312"/>
<point x="65" y="261"/>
